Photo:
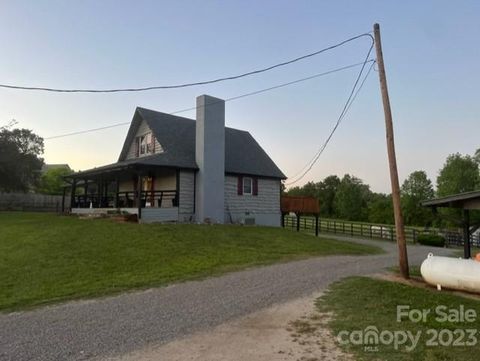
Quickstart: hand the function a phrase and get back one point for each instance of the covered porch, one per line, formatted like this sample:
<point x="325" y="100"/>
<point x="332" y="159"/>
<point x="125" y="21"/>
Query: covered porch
<point x="151" y="192"/>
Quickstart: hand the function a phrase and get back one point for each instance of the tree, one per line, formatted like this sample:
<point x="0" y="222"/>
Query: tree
<point x="459" y="174"/>
<point x="351" y="199"/>
<point x="415" y="189"/>
<point x="326" y="193"/>
<point x="20" y="161"/>
<point x="476" y="156"/>
<point x="380" y="208"/>
<point x="52" y="181"/>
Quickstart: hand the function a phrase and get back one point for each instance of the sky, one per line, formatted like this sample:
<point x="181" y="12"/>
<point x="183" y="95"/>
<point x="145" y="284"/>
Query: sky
<point x="431" y="52"/>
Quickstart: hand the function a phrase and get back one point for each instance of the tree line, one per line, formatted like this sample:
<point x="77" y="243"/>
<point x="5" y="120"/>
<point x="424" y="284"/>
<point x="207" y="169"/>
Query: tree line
<point x="21" y="163"/>
<point x="349" y="198"/>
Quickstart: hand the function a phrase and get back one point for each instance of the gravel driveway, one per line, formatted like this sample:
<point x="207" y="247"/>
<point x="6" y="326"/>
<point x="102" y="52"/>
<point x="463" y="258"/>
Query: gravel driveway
<point x="116" y="325"/>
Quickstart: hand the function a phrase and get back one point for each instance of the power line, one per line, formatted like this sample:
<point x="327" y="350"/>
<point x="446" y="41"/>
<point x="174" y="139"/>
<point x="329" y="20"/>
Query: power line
<point x="226" y="100"/>
<point x="176" y="86"/>
<point x="348" y="103"/>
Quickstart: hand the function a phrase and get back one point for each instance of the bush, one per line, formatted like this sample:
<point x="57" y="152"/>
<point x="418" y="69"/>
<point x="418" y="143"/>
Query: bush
<point x="434" y="240"/>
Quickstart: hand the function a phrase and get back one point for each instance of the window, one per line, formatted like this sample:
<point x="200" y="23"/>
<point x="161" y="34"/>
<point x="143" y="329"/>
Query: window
<point x="247" y="185"/>
<point x="145" y="144"/>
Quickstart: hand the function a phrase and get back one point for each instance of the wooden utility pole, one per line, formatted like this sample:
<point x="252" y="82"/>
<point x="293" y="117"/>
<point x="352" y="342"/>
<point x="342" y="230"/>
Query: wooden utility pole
<point x="399" y="227"/>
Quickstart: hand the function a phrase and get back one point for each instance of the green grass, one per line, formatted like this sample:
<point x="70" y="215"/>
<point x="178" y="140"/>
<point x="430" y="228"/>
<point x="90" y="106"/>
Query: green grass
<point x="359" y="302"/>
<point x="46" y="258"/>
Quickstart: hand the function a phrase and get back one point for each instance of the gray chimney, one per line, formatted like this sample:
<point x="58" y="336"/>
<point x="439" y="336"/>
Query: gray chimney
<point x="210" y="158"/>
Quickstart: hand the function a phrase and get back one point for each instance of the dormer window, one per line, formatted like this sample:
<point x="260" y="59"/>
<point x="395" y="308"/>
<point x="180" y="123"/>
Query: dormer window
<point x="145" y="144"/>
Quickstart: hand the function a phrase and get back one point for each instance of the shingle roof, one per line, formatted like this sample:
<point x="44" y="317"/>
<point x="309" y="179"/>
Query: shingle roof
<point x="243" y="155"/>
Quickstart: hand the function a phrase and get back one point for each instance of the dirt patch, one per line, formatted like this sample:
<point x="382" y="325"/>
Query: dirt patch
<point x="290" y="331"/>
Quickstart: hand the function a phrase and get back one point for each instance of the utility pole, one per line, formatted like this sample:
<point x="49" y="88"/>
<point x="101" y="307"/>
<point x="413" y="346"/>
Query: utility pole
<point x="399" y="226"/>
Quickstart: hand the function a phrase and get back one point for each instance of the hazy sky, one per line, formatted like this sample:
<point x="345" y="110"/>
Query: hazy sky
<point x="431" y="51"/>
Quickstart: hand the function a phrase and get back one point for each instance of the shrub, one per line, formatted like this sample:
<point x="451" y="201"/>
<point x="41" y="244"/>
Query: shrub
<point x="434" y="240"/>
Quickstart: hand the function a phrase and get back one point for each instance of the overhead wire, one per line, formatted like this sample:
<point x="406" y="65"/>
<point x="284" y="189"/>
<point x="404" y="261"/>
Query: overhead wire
<point x="226" y="100"/>
<point x="300" y="175"/>
<point x="185" y="85"/>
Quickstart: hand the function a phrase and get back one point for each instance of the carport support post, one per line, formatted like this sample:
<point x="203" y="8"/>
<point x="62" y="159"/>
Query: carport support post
<point x="466" y="234"/>
<point x="316" y="225"/>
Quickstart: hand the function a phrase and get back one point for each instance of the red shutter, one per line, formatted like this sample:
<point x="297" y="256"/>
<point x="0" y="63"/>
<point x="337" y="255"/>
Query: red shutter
<point x="240" y="185"/>
<point x="255" y="186"/>
<point x="137" y="147"/>
<point x="152" y="137"/>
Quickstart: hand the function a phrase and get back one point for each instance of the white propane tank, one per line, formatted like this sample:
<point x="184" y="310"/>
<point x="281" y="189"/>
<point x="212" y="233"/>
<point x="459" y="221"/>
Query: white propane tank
<point x="454" y="273"/>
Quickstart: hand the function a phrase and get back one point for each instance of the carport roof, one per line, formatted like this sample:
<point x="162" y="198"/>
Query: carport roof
<point x="468" y="200"/>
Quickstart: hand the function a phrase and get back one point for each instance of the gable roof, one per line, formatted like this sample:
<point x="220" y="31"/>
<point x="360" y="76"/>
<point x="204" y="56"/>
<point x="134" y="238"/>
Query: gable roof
<point x="243" y="155"/>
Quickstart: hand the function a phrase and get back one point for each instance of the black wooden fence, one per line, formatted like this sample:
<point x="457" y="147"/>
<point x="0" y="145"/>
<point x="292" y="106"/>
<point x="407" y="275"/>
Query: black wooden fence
<point x="374" y="231"/>
<point x="30" y="202"/>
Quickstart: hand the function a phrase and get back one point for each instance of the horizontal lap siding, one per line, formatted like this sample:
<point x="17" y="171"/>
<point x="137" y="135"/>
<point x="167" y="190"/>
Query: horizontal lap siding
<point x="267" y="200"/>
<point x="264" y="207"/>
<point x="186" y="195"/>
<point x="150" y="215"/>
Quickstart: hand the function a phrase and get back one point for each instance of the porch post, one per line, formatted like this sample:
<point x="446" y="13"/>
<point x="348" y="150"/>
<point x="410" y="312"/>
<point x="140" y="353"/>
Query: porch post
<point x="466" y="234"/>
<point x="63" y="199"/>
<point x="139" y="195"/>
<point x="85" y="192"/>
<point x="116" y="192"/>
<point x="99" y="193"/>
<point x="72" y="193"/>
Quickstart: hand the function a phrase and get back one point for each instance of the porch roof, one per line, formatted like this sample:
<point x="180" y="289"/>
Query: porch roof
<point x="158" y="160"/>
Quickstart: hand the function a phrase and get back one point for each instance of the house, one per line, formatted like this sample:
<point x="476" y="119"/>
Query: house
<point x="177" y="169"/>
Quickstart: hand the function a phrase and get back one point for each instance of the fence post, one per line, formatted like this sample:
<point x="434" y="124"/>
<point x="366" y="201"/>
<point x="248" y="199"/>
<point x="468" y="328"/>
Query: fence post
<point x="298" y="222"/>
<point x="414" y="235"/>
<point x="371" y="236"/>
<point x="361" y="229"/>
<point x="351" y="229"/>
<point x="316" y="225"/>
<point x="391" y="234"/>
<point x="334" y="226"/>
<point x="343" y="227"/>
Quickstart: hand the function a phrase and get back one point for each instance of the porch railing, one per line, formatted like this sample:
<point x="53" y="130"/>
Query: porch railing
<point x="158" y="199"/>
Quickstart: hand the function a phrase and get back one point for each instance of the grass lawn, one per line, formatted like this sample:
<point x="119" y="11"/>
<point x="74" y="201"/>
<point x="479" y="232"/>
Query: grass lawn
<point x="46" y="258"/>
<point x="359" y="302"/>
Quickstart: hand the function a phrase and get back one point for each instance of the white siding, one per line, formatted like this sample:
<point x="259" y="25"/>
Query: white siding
<point x="150" y="215"/>
<point x="265" y="207"/>
<point x="143" y="129"/>
<point x="186" y="195"/>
